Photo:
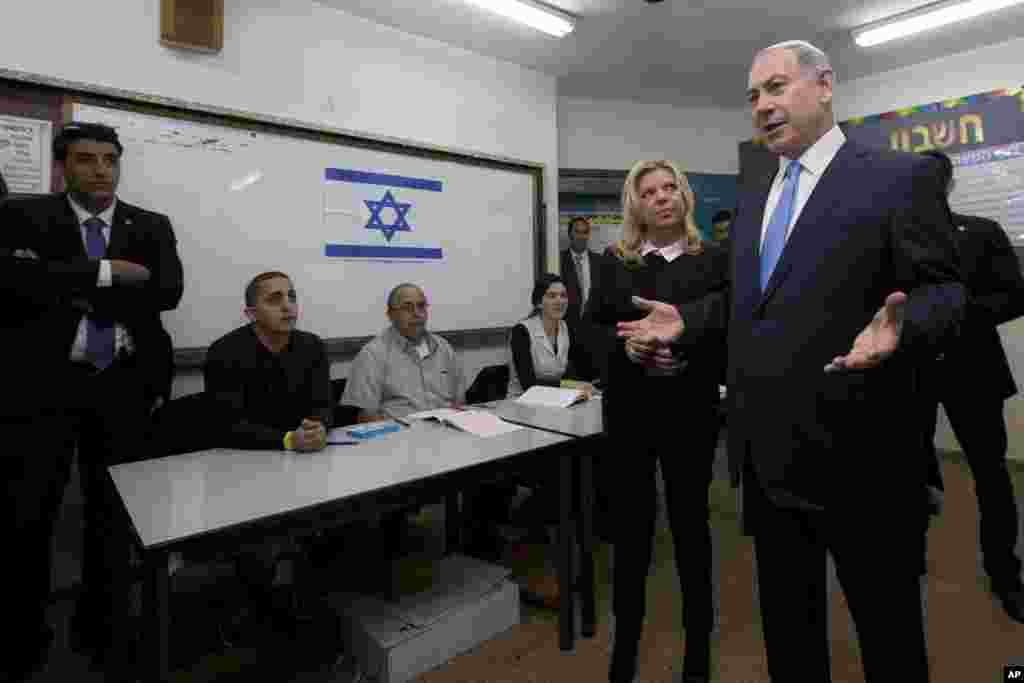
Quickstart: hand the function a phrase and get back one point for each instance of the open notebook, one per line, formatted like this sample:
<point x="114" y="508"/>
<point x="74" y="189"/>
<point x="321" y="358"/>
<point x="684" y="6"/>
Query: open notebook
<point x="552" y="397"/>
<point x="477" y="422"/>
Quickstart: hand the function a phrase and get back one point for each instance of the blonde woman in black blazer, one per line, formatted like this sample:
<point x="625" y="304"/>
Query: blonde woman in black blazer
<point x="657" y="416"/>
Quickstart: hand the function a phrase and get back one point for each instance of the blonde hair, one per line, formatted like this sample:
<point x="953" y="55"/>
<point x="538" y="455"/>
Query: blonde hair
<point x="634" y="230"/>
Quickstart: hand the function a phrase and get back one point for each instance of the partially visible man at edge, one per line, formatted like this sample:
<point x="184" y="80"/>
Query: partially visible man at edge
<point x="86" y="276"/>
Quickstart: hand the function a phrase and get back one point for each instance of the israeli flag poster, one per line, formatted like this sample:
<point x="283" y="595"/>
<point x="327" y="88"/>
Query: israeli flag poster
<point x="375" y="216"/>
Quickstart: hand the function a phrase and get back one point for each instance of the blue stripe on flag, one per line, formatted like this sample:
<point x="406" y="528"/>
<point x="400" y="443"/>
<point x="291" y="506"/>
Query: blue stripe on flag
<point x="365" y="251"/>
<point x="368" y="178"/>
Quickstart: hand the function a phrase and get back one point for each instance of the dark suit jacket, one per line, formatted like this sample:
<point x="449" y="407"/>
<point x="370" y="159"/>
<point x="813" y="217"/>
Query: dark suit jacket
<point x="976" y="364"/>
<point x="572" y="282"/>
<point x="46" y="295"/>
<point x="876" y="223"/>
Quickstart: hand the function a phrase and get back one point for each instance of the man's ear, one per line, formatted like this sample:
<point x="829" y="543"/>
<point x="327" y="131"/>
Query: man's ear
<point x="247" y="312"/>
<point x="827" y="80"/>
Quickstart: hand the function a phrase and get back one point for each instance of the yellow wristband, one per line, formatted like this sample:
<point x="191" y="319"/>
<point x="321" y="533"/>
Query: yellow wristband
<point x="288" y="438"/>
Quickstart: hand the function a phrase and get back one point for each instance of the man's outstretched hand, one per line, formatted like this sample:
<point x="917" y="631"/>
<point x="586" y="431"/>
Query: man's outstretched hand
<point x="877" y="341"/>
<point x="647" y="339"/>
<point x="662" y="322"/>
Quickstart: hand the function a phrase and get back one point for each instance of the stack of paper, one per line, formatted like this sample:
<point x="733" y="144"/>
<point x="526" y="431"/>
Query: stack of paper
<point x="477" y="422"/>
<point x="438" y="414"/>
<point x="552" y="397"/>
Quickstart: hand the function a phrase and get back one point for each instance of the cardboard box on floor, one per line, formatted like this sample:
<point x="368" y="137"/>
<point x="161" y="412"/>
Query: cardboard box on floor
<point x="469" y="602"/>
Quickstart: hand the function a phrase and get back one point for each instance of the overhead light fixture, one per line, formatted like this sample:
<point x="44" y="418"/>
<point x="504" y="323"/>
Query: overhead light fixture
<point x="925" y="19"/>
<point x="533" y="14"/>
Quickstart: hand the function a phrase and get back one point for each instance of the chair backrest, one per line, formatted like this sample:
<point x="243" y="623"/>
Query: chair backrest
<point x="343" y="414"/>
<point x="186" y="424"/>
<point x="338" y="389"/>
<point x="490" y="384"/>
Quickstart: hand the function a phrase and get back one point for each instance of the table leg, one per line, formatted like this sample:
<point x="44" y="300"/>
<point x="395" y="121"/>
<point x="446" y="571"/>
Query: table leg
<point x="585" y="521"/>
<point x="157" y="615"/>
<point x="565" y="504"/>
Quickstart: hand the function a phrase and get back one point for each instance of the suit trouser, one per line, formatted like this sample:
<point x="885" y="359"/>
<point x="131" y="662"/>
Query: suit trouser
<point x="980" y="428"/>
<point x="105" y="416"/>
<point x="686" y="456"/>
<point x="877" y="554"/>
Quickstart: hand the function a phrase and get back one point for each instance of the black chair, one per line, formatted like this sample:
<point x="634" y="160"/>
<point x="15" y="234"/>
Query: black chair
<point x="343" y="414"/>
<point x="490" y="384"/>
<point x="186" y="424"/>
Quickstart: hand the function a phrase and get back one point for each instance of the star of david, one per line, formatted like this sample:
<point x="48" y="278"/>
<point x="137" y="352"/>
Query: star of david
<point x="399" y="225"/>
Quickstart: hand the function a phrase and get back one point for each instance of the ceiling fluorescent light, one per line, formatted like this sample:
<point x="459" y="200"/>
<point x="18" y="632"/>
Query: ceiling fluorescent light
<point x="535" y="15"/>
<point x="925" y="19"/>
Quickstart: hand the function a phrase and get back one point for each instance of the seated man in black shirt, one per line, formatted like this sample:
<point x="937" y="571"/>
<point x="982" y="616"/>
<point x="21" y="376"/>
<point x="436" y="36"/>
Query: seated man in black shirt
<point x="274" y="381"/>
<point x="275" y="378"/>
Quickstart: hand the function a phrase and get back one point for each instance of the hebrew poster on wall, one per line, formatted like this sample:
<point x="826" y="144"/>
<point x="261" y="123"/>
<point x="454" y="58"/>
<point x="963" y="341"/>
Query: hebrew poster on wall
<point x="984" y="137"/>
<point x="25" y="154"/>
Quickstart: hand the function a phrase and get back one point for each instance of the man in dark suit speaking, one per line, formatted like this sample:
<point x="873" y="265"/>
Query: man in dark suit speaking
<point x="972" y="379"/>
<point x="85" y="276"/>
<point x="843" y="244"/>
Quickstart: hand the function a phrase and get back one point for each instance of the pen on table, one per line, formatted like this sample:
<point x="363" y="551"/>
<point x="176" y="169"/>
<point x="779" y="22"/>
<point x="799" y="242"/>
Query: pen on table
<point x="404" y="423"/>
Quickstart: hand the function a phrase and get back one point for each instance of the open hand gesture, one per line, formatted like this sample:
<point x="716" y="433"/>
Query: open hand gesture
<point x="647" y="339"/>
<point x="877" y="341"/>
<point x="662" y="323"/>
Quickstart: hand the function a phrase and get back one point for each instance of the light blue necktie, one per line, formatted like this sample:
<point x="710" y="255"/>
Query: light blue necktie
<point x="99" y="340"/>
<point x="775" y="234"/>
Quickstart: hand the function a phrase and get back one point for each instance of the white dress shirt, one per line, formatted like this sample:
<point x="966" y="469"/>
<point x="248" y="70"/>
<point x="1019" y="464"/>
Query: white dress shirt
<point x="813" y="163"/>
<point x="104" y="278"/>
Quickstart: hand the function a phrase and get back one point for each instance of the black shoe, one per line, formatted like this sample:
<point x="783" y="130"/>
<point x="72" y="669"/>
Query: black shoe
<point x="1012" y="600"/>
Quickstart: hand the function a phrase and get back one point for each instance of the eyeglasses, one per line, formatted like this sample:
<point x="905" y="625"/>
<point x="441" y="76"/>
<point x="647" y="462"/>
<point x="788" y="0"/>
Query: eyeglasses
<point x="413" y="307"/>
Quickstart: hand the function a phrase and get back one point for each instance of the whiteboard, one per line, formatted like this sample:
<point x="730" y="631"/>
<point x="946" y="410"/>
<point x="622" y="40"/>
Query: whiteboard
<point x="347" y="223"/>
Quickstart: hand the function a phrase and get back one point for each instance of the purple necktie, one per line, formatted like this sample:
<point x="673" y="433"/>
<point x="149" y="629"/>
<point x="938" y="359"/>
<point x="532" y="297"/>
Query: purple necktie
<point x="99" y="342"/>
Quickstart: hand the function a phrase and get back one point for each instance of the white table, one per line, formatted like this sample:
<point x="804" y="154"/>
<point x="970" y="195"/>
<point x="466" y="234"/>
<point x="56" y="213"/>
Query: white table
<point x="176" y="499"/>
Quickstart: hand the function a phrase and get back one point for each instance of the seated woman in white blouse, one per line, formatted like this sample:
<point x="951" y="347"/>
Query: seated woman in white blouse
<point x="541" y="346"/>
<point x="542" y="351"/>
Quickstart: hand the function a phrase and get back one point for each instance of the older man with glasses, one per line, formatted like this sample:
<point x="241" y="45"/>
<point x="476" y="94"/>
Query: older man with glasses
<point x="405" y="368"/>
